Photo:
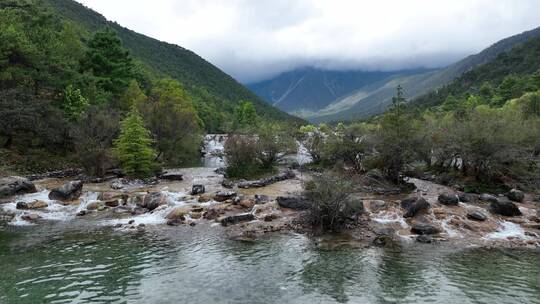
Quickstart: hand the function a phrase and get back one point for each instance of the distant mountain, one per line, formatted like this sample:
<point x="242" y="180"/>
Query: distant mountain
<point x="375" y="98"/>
<point x="309" y="89"/>
<point x="197" y="75"/>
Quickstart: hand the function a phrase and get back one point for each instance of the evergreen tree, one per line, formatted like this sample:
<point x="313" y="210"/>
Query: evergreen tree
<point x="109" y="62"/>
<point x="395" y="137"/>
<point x="133" y="96"/>
<point x="133" y="148"/>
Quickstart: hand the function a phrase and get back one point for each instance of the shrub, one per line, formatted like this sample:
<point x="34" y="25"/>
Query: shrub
<point x="252" y="155"/>
<point x="241" y="155"/>
<point x="93" y="138"/>
<point x="331" y="204"/>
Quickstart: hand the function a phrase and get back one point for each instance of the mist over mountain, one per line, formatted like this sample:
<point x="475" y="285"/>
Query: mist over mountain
<point x="322" y="96"/>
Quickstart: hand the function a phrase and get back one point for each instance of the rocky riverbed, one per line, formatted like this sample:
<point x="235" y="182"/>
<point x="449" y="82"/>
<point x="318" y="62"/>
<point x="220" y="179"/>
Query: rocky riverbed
<point x="250" y="209"/>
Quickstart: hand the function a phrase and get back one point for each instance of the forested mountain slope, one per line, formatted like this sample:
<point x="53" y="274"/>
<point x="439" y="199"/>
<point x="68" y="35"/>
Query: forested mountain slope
<point x="72" y="85"/>
<point x="201" y="79"/>
<point x="508" y="71"/>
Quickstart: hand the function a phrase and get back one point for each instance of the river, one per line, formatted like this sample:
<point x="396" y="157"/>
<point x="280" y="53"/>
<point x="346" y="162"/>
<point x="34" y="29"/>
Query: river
<point x="78" y="263"/>
<point x="69" y="259"/>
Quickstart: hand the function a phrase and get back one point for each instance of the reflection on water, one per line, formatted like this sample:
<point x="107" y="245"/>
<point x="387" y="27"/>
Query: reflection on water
<point x="64" y="263"/>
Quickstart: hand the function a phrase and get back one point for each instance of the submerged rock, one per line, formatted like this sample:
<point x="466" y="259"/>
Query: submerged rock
<point x="197" y="189"/>
<point x="237" y="218"/>
<point x="477" y="216"/>
<point x="68" y="192"/>
<point x="37" y="204"/>
<point x="30" y="217"/>
<point x="295" y="203"/>
<point x="516" y="195"/>
<point x="505" y="207"/>
<point x="384" y="237"/>
<point x="448" y="199"/>
<point x="376" y="205"/>
<point x="424" y="229"/>
<point x="15" y="185"/>
<point x="426" y="239"/>
<point x="94" y="205"/>
<point x="112" y="203"/>
<point x="414" y="205"/>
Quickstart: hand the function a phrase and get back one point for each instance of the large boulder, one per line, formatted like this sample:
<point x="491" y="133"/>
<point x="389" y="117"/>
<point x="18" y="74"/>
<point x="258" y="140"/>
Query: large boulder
<point x="173" y="176"/>
<point x="109" y="195"/>
<point x="37" y="204"/>
<point x="15" y="185"/>
<point x="178" y="213"/>
<point x="152" y="200"/>
<point x="68" y="192"/>
<point x="213" y="213"/>
<point x="222" y="196"/>
<point x="448" y="199"/>
<point x="477" y="216"/>
<point x="505" y="207"/>
<point x="237" y="218"/>
<point x="468" y="197"/>
<point x="197" y="189"/>
<point x="516" y="195"/>
<point x="261" y="199"/>
<point x="424" y="229"/>
<point x="414" y="205"/>
<point x="94" y="205"/>
<point x="295" y="203"/>
<point x="488" y="198"/>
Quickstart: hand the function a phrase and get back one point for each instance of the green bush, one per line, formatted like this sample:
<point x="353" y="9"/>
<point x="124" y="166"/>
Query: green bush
<point x="331" y="203"/>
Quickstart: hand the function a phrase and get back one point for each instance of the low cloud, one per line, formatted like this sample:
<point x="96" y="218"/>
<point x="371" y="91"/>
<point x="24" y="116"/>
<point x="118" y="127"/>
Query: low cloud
<point x="254" y="40"/>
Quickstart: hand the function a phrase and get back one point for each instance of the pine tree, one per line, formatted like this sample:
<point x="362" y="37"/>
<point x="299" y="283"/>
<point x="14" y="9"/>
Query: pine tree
<point x="109" y="62"/>
<point x="133" y="148"/>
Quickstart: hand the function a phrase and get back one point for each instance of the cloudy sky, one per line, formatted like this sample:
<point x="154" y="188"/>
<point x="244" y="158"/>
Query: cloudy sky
<point x="256" y="39"/>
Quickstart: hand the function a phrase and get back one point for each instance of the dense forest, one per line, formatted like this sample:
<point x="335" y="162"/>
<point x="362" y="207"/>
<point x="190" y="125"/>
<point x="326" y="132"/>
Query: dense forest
<point x="509" y="75"/>
<point x="71" y="92"/>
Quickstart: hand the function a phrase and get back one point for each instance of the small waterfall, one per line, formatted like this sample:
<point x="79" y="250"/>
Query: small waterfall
<point x="507" y="230"/>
